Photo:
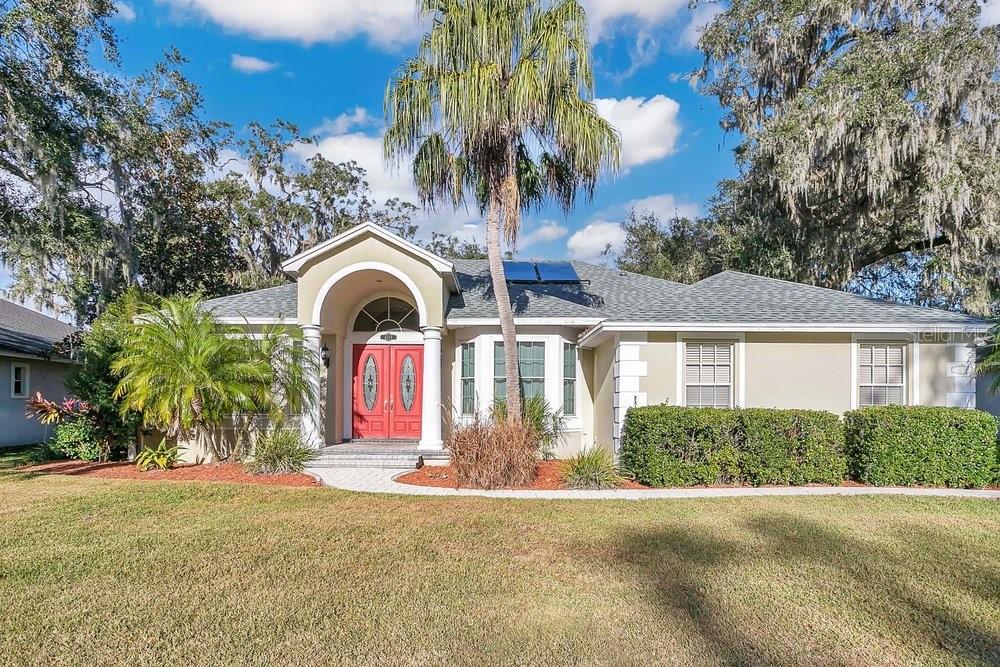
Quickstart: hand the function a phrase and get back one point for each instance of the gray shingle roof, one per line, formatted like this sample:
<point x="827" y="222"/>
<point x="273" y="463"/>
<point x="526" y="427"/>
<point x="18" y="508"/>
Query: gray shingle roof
<point x="26" y="331"/>
<point x="610" y="294"/>
<point x="271" y="302"/>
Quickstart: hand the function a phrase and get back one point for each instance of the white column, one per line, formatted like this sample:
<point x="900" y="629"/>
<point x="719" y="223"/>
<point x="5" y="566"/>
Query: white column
<point x="430" y="424"/>
<point x="312" y="416"/>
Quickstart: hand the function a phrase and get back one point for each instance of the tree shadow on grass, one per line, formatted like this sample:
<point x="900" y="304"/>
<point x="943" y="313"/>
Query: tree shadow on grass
<point x="683" y="572"/>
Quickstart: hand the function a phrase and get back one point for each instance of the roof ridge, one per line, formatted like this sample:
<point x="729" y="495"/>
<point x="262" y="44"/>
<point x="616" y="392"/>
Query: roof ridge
<point x="833" y="290"/>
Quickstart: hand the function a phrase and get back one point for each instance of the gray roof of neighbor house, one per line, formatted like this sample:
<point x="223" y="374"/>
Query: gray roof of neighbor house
<point x="610" y="294"/>
<point x="25" y="331"/>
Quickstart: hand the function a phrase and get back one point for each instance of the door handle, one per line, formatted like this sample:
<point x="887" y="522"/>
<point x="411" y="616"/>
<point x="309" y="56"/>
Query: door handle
<point x="385" y="405"/>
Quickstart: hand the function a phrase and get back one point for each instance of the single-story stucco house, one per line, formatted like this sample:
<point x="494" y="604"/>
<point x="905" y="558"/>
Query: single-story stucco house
<point x="29" y="364"/>
<point x="411" y="343"/>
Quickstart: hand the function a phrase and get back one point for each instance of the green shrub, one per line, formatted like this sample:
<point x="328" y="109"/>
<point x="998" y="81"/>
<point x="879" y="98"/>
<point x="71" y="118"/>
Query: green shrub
<point x="279" y="451"/>
<point x="162" y="458"/>
<point x="791" y="447"/>
<point x="76" y="439"/>
<point x="591" y="469"/>
<point x="675" y="446"/>
<point x="921" y="445"/>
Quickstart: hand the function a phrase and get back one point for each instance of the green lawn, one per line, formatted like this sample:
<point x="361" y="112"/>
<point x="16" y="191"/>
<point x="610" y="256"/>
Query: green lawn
<point x="140" y="573"/>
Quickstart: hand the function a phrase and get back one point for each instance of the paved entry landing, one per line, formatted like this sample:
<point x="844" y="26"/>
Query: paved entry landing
<point x="396" y="454"/>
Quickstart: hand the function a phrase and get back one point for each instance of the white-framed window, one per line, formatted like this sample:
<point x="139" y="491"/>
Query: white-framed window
<point x="20" y="380"/>
<point x="531" y="364"/>
<point x="708" y="375"/>
<point x="569" y="380"/>
<point x="881" y="374"/>
<point x="468" y="378"/>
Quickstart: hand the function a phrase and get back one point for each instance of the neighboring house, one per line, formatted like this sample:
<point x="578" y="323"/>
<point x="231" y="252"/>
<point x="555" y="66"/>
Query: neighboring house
<point x="28" y="364"/>
<point x="412" y="342"/>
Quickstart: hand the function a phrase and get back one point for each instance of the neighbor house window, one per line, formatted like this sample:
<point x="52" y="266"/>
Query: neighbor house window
<point x="531" y="363"/>
<point x="569" y="379"/>
<point x="880" y="374"/>
<point x="468" y="378"/>
<point x="19" y="379"/>
<point x="708" y="375"/>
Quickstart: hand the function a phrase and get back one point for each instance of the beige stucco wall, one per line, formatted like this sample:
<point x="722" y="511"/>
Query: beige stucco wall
<point x="660" y="355"/>
<point x="349" y="291"/>
<point x="602" y="388"/>
<point x="798" y="370"/>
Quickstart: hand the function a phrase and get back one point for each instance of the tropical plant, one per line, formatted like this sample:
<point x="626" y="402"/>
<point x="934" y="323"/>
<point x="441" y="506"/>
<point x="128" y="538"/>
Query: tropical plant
<point x="592" y="468"/>
<point x="547" y="424"/>
<point x="163" y="457"/>
<point x="188" y="376"/>
<point x="93" y="380"/>
<point x="49" y="412"/>
<point x="494" y="453"/>
<point x="497" y="103"/>
<point x="279" y="451"/>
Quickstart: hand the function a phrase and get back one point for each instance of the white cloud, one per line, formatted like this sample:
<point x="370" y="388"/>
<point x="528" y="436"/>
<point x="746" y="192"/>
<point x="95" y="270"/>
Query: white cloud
<point x="665" y="206"/>
<point x="603" y="15"/>
<point x="387" y="23"/>
<point x="384" y="181"/>
<point x="700" y="18"/>
<point x="990" y="14"/>
<point x="250" y="64"/>
<point x="346" y="122"/>
<point x="124" y="11"/>
<point x="649" y="128"/>
<point x="591" y="241"/>
<point x="549" y="230"/>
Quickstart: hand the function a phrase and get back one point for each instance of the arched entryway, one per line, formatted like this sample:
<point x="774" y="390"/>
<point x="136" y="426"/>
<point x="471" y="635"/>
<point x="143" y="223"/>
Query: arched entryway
<point x="386" y="349"/>
<point x="340" y="283"/>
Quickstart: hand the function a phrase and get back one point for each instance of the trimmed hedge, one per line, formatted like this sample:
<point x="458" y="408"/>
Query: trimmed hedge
<point x="677" y="446"/>
<point x="918" y="445"/>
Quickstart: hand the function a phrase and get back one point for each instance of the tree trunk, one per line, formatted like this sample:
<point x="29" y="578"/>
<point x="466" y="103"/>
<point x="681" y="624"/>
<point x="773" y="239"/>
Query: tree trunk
<point x="493" y="250"/>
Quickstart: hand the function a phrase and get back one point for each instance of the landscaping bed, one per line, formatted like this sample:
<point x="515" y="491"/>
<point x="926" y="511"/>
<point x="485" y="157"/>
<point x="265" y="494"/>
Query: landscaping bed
<point x="549" y="478"/>
<point x="223" y="472"/>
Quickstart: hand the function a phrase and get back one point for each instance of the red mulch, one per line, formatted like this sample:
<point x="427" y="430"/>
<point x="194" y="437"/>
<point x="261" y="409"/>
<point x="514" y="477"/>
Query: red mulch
<point x="222" y="472"/>
<point x="549" y="478"/>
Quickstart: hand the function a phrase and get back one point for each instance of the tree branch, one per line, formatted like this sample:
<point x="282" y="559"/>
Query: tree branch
<point x="897" y="248"/>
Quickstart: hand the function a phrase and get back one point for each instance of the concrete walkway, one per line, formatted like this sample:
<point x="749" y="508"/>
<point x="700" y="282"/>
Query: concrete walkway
<point x="382" y="480"/>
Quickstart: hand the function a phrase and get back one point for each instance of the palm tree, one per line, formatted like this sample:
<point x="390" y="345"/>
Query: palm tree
<point x="497" y="103"/>
<point x="187" y="375"/>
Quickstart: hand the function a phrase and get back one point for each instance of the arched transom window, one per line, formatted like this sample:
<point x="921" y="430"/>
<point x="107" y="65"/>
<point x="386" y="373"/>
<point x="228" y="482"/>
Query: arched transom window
<point x="387" y="313"/>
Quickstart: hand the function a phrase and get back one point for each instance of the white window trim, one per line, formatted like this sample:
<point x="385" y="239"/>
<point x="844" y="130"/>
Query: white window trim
<point x="575" y="378"/>
<point x="911" y="364"/>
<point x="738" y="342"/>
<point x="460" y="409"/>
<point x="483" y="360"/>
<point x="26" y="374"/>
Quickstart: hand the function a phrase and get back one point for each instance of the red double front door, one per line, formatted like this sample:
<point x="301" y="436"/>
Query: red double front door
<point x="387" y="391"/>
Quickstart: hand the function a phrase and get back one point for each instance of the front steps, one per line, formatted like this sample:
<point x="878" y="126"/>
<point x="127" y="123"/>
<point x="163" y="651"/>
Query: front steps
<point x="386" y="454"/>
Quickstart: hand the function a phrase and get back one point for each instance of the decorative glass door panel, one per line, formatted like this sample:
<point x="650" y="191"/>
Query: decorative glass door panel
<point x="387" y="395"/>
<point x="407" y="385"/>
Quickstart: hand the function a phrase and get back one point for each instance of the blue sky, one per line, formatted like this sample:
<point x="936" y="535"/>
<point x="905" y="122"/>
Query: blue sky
<point x="323" y="64"/>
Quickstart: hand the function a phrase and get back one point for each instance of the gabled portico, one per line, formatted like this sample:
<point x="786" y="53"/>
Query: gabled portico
<point x="371" y="306"/>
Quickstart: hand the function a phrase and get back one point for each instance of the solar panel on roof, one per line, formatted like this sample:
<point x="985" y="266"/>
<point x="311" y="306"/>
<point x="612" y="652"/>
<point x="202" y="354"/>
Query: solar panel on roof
<point x="557" y="272"/>
<point x="520" y="272"/>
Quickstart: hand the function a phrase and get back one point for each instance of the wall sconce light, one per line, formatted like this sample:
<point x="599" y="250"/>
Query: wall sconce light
<point x="325" y="354"/>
